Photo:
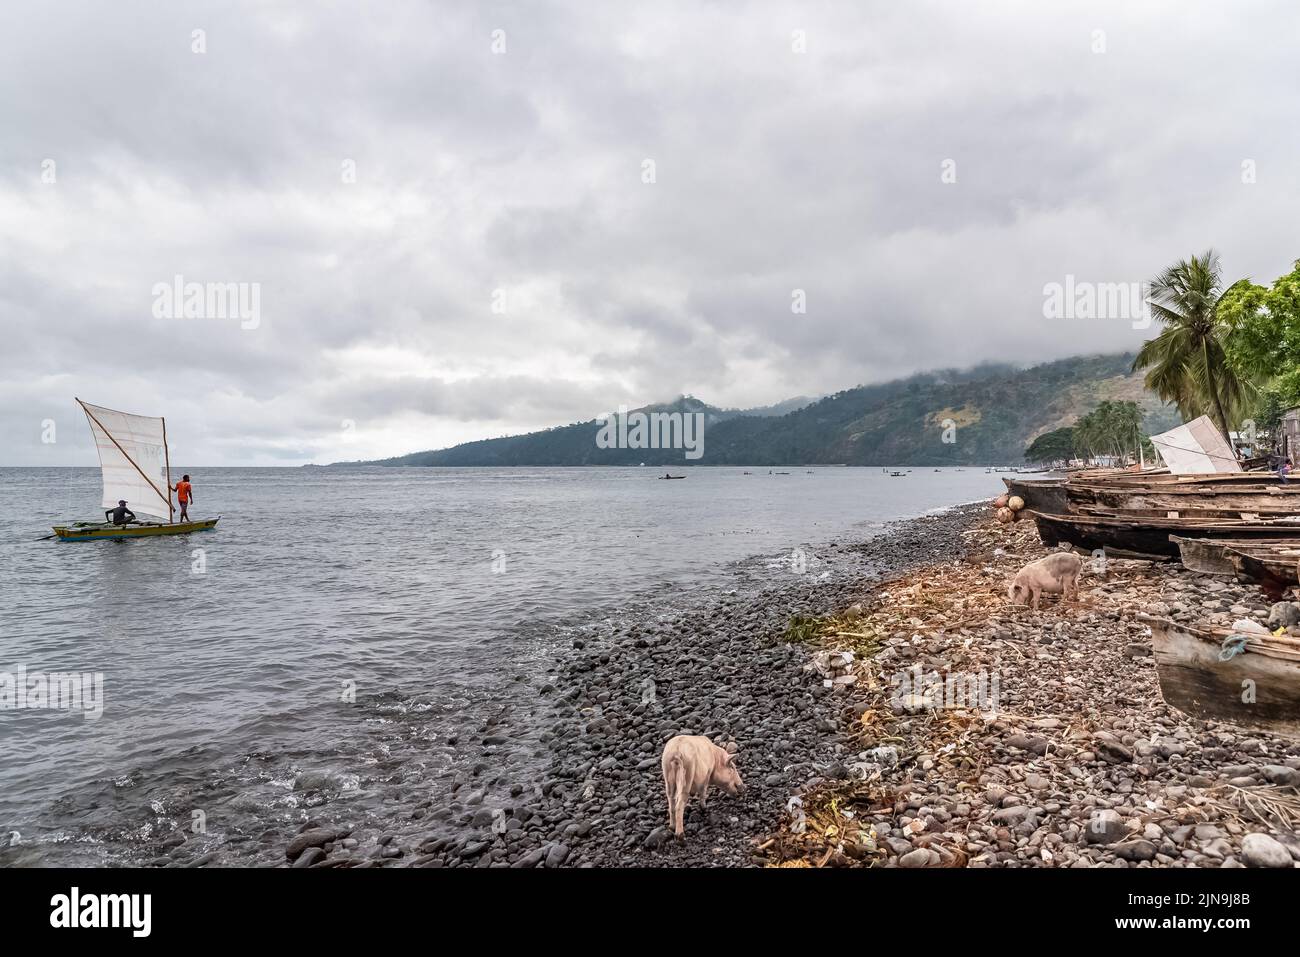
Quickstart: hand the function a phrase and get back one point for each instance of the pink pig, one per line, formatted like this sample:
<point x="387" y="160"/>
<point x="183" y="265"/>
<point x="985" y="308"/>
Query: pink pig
<point x="1057" y="573"/>
<point x="691" y="763"/>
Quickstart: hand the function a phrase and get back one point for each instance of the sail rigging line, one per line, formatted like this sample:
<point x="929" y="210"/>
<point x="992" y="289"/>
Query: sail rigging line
<point x="91" y="415"/>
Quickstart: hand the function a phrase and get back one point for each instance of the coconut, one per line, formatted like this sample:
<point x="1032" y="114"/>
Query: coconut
<point x="1005" y="515"/>
<point x="1015" y="503"/>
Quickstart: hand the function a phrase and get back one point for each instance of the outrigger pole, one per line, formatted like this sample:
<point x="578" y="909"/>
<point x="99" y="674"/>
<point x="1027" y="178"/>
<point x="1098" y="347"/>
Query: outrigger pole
<point x="127" y="457"/>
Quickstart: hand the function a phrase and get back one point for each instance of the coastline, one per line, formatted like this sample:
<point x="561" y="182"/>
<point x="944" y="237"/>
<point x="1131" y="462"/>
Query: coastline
<point x="1081" y="764"/>
<point x="724" y="670"/>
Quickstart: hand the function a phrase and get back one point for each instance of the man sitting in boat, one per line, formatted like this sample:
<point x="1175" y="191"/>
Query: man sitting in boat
<point x="185" y="494"/>
<point x="120" y="515"/>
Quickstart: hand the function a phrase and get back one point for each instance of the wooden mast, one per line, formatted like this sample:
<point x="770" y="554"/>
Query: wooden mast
<point x="92" y="418"/>
<point x="171" y="512"/>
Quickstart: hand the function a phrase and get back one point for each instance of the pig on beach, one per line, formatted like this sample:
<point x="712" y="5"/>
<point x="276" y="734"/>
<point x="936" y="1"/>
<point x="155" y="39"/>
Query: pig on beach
<point x="691" y="764"/>
<point x="1056" y="574"/>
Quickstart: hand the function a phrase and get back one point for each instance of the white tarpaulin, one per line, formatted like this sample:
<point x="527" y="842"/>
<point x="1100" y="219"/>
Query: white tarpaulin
<point x="133" y="459"/>
<point x="1195" y="448"/>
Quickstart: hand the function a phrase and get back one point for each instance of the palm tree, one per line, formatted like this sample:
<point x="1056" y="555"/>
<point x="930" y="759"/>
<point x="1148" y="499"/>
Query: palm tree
<point x="1186" y="363"/>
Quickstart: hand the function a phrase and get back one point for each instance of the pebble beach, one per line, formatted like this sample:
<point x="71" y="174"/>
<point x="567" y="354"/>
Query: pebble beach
<point x="1080" y="763"/>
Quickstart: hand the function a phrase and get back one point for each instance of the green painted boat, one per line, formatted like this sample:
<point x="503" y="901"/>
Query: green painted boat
<point x="97" y="531"/>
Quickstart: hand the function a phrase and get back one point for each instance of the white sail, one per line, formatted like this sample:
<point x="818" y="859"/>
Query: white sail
<point x="1196" y="448"/>
<point x="133" y="459"/>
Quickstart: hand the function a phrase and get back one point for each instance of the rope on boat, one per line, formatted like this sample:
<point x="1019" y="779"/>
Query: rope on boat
<point x="1233" y="645"/>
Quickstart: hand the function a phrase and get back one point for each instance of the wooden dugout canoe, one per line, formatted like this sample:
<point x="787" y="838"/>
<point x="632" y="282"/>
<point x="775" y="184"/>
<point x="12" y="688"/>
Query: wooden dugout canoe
<point x="1042" y="495"/>
<point x="1274" y="563"/>
<point x="1232" y="497"/>
<point x="1257" y="689"/>
<point x="97" y="531"/>
<point x="1133" y="537"/>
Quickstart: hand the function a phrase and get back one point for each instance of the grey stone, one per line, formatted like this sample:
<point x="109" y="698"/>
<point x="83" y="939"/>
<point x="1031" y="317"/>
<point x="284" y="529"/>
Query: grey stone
<point x="1104" y="827"/>
<point x="1260" y="850"/>
<point x="1135" y="850"/>
<point x="312" y="838"/>
<point x="557" y="855"/>
<point x="309" y="857"/>
<point x="921" y="857"/>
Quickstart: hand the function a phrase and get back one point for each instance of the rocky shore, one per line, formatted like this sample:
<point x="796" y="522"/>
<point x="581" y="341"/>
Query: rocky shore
<point x="1067" y="755"/>
<point x="617" y="691"/>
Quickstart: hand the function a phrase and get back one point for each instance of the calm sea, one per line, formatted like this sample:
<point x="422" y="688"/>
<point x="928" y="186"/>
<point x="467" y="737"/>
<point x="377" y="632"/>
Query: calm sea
<point x="329" y="603"/>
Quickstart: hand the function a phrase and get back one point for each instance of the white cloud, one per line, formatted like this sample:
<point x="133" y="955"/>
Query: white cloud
<point x="522" y="173"/>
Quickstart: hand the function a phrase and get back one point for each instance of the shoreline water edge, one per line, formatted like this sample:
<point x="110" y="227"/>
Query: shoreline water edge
<point x="887" y="705"/>
<point x="1064" y="753"/>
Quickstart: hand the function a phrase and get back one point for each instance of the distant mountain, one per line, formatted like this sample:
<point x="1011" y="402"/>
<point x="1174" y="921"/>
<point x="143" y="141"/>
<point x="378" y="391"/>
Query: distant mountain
<point x="989" y="414"/>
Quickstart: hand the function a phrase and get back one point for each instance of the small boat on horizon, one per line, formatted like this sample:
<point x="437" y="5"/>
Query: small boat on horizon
<point x="136" y="468"/>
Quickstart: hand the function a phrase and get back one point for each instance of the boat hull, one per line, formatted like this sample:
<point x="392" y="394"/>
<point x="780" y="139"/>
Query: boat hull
<point x="1122" y="537"/>
<point x="1040" y="495"/>
<point x="91" y="532"/>
<point x="1206" y="556"/>
<point x="1196" y="682"/>
<point x="1276" y="565"/>
<point x="1211" y="556"/>
<point x="1237" y="498"/>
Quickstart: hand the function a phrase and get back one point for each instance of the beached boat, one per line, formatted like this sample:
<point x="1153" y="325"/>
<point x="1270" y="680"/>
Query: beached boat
<point x="1209" y="556"/>
<point x="1203" y="555"/>
<point x="1178" y="496"/>
<point x="1209" y="673"/>
<point x="1150" y="538"/>
<point x="1268" y="514"/>
<point x="1041" y="495"/>
<point x="1273" y="563"/>
<point x="135" y="467"/>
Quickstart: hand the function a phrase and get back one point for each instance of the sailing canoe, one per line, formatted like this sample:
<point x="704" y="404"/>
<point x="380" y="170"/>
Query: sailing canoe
<point x="135" y="467"/>
<point x="1194" y="680"/>
<point x="95" y="531"/>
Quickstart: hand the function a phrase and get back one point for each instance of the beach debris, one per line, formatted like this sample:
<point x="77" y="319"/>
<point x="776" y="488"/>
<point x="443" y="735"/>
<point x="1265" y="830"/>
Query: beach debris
<point x="1082" y="764"/>
<point x="1284" y="614"/>
<point x="834" y="667"/>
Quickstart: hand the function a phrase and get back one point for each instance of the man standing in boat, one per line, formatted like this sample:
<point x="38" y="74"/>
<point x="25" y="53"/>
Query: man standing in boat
<point x="184" y="494"/>
<point x="120" y="515"/>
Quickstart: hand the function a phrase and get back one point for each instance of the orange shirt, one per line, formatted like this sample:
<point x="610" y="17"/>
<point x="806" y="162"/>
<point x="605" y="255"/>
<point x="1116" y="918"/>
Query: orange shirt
<point x="183" y="492"/>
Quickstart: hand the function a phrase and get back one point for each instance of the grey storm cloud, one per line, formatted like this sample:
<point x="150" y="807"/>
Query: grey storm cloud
<point x="444" y="210"/>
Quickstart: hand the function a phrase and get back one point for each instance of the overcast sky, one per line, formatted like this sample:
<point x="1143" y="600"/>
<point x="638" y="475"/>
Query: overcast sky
<point x="501" y="264"/>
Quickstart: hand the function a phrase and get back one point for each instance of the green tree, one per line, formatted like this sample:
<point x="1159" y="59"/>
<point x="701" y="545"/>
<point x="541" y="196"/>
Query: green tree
<point x="1187" y="363"/>
<point x="1113" y="428"/>
<point x="1052" y="446"/>
<point x="1264" y="343"/>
